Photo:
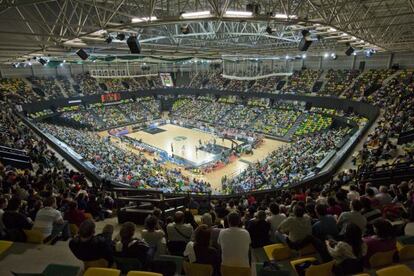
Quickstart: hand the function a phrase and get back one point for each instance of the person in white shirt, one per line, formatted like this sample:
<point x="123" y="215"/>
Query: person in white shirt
<point x="234" y="243"/>
<point x="298" y="228"/>
<point x="354" y="216"/>
<point x="50" y="221"/>
<point x="353" y="193"/>
<point x="275" y="220"/>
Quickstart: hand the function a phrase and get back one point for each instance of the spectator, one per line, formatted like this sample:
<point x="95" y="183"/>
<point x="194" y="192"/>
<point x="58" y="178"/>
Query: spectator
<point x="352" y="247"/>
<point x="153" y="236"/>
<point x="130" y="247"/>
<point x="383" y="196"/>
<point x="15" y="222"/>
<point x="74" y="215"/>
<point x="382" y="241"/>
<point x="275" y="220"/>
<point x="298" y="227"/>
<point x="334" y="209"/>
<point x="189" y="219"/>
<point x="325" y="227"/>
<point x="354" y="216"/>
<point x="370" y="194"/>
<point x="371" y="214"/>
<point x="88" y="247"/>
<point x="179" y="234"/>
<point x="259" y="230"/>
<point x="3" y="206"/>
<point x="353" y="193"/>
<point x="50" y="221"/>
<point x="234" y="243"/>
<point x="200" y="250"/>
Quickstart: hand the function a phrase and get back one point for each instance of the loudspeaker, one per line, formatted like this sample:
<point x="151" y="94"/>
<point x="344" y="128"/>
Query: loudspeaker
<point x="134" y="45"/>
<point x="304" y="43"/>
<point x="82" y="54"/>
<point x="349" y="51"/>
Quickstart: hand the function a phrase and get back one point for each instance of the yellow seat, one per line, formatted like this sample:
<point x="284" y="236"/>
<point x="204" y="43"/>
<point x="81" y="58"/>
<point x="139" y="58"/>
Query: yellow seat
<point x="395" y="270"/>
<point x="324" y="269"/>
<point x="4" y="245"/>
<point x="234" y="270"/>
<point x="381" y="259"/>
<point x="406" y="252"/>
<point x="34" y="236"/>
<point x="95" y="263"/>
<point x="193" y="269"/>
<point x="99" y="271"/>
<point x="143" y="273"/>
<point x="277" y="251"/>
<point x="73" y="229"/>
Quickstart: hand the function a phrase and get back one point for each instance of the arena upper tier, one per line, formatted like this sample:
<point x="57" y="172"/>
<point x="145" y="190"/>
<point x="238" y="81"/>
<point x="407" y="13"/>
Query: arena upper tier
<point x="315" y="134"/>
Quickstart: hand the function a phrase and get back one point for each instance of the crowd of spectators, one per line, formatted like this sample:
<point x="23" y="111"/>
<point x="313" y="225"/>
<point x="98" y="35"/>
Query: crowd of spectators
<point x="301" y="81"/>
<point x="17" y="90"/>
<point x="114" y="162"/>
<point x="300" y="159"/>
<point x="338" y="80"/>
<point x="48" y="86"/>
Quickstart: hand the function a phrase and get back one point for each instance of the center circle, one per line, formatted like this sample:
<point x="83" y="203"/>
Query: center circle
<point x="180" y="138"/>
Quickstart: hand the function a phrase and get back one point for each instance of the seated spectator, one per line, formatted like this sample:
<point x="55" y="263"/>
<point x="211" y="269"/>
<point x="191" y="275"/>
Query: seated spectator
<point x="259" y="230"/>
<point x="3" y="206"/>
<point x="189" y="219"/>
<point x="275" y="220"/>
<point x="371" y="214"/>
<point x="352" y="247"/>
<point x="354" y="216"/>
<point x="325" y="227"/>
<point x="95" y="208"/>
<point x="50" y="221"/>
<point x="74" y="215"/>
<point x="37" y="205"/>
<point x="382" y="241"/>
<point x="234" y="243"/>
<point x="370" y="194"/>
<point x="298" y="228"/>
<point x="353" y="193"/>
<point x="179" y="234"/>
<point x="409" y="227"/>
<point x="130" y="247"/>
<point x="334" y="209"/>
<point x="14" y="221"/>
<point x="200" y="250"/>
<point x="383" y="197"/>
<point x="88" y="247"/>
<point x="153" y="236"/>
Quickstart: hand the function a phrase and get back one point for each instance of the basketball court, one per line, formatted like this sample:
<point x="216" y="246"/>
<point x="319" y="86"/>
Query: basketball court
<point x="182" y="141"/>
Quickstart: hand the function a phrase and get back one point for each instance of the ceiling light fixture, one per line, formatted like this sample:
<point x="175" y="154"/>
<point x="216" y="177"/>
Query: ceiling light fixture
<point x="198" y="14"/>
<point x="143" y="19"/>
<point x="238" y="13"/>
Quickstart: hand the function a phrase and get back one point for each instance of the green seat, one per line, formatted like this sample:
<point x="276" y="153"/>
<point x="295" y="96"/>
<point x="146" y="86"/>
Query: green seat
<point x="176" y="259"/>
<point x="127" y="264"/>
<point x="53" y="270"/>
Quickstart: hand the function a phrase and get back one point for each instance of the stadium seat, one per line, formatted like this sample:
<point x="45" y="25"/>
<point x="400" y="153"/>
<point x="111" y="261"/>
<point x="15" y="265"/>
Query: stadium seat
<point x="193" y="269"/>
<point x="4" y="245"/>
<point x="324" y="269"/>
<point x="233" y="270"/>
<point x="73" y="229"/>
<point x="95" y="263"/>
<point x="381" y="259"/>
<point x="34" y="236"/>
<point x="277" y="252"/>
<point x="176" y="259"/>
<point x="406" y="252"/>
<point x="53" y="270"/>
<point x="395" y="270"/>
<point x="99" y="271"/>
<point x="127" y="264"/>
<point x="143" y="273"/>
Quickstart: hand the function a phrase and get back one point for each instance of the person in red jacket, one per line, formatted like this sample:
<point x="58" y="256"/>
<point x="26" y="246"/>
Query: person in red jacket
<point x="74" y="215"/>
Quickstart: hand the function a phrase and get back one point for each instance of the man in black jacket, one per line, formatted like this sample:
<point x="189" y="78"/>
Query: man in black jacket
<point x="88" y="247"/>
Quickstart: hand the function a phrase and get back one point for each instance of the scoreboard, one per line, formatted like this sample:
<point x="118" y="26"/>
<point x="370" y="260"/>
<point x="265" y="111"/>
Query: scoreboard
<point x="111" y="97"/>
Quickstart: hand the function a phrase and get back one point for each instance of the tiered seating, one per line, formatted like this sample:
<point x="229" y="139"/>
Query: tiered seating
<point x="371" y="79"/>
<point x="266" y="85"/>
<point x="213" y="112"/>
<point x="276" y="122"/>
<point x="17" y="90"/>
<point x="338" y="81"/>
<point x="301" y="81"/>
<point x="48" y="86"/>
<point x="67" y="86"/>
<point x="313" y="123"/>
<point x="89" y="85"/>
<point x="241" y="117"/>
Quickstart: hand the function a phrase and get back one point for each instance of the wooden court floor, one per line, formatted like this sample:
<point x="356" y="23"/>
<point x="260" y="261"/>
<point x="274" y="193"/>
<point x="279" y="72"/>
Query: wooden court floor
<point x="184" y="142"/>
